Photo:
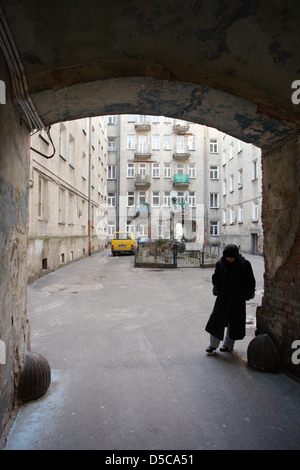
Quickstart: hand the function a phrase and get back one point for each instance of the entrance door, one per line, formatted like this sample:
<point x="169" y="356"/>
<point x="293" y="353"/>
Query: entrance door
<point x="254" y="240"/>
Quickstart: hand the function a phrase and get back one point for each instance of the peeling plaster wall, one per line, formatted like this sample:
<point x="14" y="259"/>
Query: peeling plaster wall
<point x="279" y="315"/>
<point x="14" y="168"/>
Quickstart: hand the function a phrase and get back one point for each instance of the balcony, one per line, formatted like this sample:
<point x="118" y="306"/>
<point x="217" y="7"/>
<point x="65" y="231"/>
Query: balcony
<point x="142" y="126"/>
<point x="142" y="153"/>
<point x="181" y="180"/>
<point x="181" y="127"/>
<point x="142" y="181"/>
<point x="181" y="153"/>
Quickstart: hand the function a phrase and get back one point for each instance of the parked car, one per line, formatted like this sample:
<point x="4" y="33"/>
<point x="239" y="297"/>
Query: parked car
<point x="143" y="241"/>
<point x="123" y="242"/>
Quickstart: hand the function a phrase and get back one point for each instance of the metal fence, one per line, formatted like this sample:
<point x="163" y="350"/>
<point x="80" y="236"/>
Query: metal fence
<point x="163" y="255"/>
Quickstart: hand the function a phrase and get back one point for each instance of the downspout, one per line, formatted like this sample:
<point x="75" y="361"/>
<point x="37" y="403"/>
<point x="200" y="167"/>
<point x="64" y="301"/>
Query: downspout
<point x="90" y="183"/>
<point x="118" y="175"/>
<point x="205" y="191"/>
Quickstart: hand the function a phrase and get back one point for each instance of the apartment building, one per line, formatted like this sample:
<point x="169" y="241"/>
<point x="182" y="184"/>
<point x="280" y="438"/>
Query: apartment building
<point x="67" y="194"/>
<point x="171" y="178"/>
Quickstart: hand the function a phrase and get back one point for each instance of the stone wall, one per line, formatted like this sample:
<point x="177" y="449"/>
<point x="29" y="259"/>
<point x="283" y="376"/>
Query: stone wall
<point x="280" y="312"/>
<point x="14" y="170"/>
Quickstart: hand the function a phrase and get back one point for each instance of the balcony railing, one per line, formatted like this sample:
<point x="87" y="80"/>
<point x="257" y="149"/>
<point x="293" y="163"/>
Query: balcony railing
<point x="142" y="152"/>
<point x="142" y="180"/>
<point x="180" y="153"/>
<point x="144" y="125"/>
<point x="180" y="127"/>
<point x="181" y="180"/>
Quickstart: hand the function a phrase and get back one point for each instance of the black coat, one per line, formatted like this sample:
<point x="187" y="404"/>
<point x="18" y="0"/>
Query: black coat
<point x="234" y="283"/>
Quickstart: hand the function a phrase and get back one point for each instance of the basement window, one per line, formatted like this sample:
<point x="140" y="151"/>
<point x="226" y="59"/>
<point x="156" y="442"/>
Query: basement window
<point x="44" y="264"/>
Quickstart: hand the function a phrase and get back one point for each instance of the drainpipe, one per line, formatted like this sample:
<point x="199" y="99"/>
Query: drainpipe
<point x="118" y="175"/>
<point x="90" y="183"/>
<point x="205" y="191"/>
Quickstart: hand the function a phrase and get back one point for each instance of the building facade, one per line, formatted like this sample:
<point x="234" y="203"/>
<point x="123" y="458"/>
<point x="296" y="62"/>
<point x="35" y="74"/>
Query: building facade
<point x="67" y="194"/>
<point x="171" y="178"/>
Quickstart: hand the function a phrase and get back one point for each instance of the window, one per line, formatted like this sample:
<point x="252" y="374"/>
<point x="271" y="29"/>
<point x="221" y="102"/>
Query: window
<point x="255" y="170"/>
<point x="62" y="141"/>
<point x="42" y="198"/>
<point x="167" y="199"/>
<point x="231" y="151"/>
<point x="85" y="125"/>
<point x="167" y="170"/>
<point x="143" y="230"/>
<point x="167" y="142"/>
<point x="111" y="172"/>
<point x="155" y="142"/>
<point x="231" y="216"/>
<point x="180" y="197"/>
<point x="167" y="120"/>
<point x="111" y="228"/>
<point x="61" y="206"/>
<point x="214" y="200"/>
<point x="130" y="170"/>
<point x="130" y="198"/>
<point x="71" y="151"/>
<point x="224" y="187"/>
<point x="155" y="170"/>
<point x="214" y="172"/>
<point x="143" y="118"/>
<point x="112" y="144"/>
<point x="240" y="146"/>
<point x="70" y="208"/>
<point x="131" y="117"/>
<point x="155" y="119"/>
<point x="142" y="144"/>
<point x="111" y="200"/>
<point x="191" y="142"/>
<point x="192" y="170"/>
<point x="131" y="142"/>
<point x="254" y="211"/>
<point x="231" y="183"/>
<point x="224" y="157"/>
<point x="224" y="217"/>
<point x="240" y="178"/>
<point x="142" y="197"/>
<point x="155" y="198"/>
<point x="180" y="144"/>
<point x="213" y="146"/>
<point x="214" y="228"/>
<point x="180" y="168"/>
<point x="192" y="199"/>
<point x="142" y="169"/>
<point x="240" y="214"/>
<point x="112" y="120"/>
<point x="84" y="166"/>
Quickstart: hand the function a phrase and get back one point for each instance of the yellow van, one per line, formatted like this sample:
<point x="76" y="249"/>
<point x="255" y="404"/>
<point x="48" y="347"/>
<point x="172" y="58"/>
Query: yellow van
<point x="123" y="242"/>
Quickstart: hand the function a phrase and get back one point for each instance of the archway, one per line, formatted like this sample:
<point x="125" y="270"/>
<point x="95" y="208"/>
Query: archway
<point x="226" y="65"/>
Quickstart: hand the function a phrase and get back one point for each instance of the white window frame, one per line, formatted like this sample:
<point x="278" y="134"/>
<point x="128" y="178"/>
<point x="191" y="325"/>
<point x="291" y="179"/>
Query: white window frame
<point x="192" y="170"/>
<point x="254" y="170"/>
<point x="192" y="199"/>
<point x="214" y="228"/>
<point x="111" y="199"/>
<point x="213" y="146"/>
<point x="254" y="211"/>
<point x="214" y="200"/>
<point x="214" y="172"/>
<point x="167" y="170"/>
<point x="130" y="142"/>
<point x="155" y="170"/>
<point x="130" y="199"/>
<point x="240" y="216"/>
<point x="167" y="142"/>
<point x="167" y="199"/>
<point x="130" y="170"/>
<point x="155" y="199"/>
<point x="111" y="172"/>
<point x="155" y="142"/>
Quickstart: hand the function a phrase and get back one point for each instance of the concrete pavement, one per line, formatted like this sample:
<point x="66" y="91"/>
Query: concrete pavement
<point x="129" y="369"/>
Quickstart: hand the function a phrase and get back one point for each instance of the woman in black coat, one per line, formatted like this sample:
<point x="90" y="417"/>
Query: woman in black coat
<point x="233" y="284"/>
